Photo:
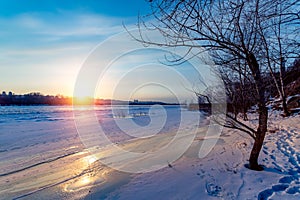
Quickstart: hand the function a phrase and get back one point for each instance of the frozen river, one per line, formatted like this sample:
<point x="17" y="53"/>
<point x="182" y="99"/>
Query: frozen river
<point x="37" y="139"/>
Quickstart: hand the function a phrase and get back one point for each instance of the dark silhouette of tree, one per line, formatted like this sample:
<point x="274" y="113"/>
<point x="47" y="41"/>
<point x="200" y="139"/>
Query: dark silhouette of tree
<point x="262" y="34"/>
<point x="240" y="89"/>
<point x="34" y="98"/>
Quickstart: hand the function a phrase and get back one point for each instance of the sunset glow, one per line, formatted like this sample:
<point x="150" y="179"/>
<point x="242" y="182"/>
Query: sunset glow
<point x="43" y="45"/>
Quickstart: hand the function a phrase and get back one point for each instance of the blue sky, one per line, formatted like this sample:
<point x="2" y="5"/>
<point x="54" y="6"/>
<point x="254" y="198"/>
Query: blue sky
<point x="125" y="8"/>
<point x="43" y="44"/>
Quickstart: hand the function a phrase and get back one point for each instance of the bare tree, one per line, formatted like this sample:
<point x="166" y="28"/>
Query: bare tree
<point x="259" y="33"/>
<point x="281" y="42"/>
<point x="240" y="88"/>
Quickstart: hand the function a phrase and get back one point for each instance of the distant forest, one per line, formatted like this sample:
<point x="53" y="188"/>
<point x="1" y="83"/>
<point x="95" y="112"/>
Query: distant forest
<point x="36" y="98"/>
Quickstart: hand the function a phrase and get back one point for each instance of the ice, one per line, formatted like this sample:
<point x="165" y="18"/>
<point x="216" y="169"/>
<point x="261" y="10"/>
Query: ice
<point x="42" y="157"/>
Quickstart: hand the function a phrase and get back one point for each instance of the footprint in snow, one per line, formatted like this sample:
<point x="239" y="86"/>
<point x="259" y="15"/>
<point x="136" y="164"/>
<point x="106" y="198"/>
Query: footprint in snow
<point x="214" y="190"/>
<point x="286" y="179"/>
<point x="279" y="187"/>
<point x="264" y="195"/>
<point x="293" y="190"/>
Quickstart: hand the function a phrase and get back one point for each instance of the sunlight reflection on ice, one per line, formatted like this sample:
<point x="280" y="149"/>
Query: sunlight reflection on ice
<point x="88" y="179"/>
<point x="85" y="180"/>
<point x="91" y="159"/>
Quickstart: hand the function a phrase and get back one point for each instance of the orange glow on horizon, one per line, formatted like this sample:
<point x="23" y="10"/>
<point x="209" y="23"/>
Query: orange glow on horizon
<point x="83" y="100"/>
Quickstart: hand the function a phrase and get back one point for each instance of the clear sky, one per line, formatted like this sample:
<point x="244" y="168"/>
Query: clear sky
<point x="44" y="43"/>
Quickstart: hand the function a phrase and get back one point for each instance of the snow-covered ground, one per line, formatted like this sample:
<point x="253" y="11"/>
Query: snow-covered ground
<point x="222" y="175"/>
<point x="42" y="157"/>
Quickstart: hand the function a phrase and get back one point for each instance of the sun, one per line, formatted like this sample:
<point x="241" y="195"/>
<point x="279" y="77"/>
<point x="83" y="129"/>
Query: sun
<point x="83" y="100"/>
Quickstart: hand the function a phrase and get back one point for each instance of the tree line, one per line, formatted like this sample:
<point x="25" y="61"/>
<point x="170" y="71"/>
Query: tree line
<point x="34" y="98"/>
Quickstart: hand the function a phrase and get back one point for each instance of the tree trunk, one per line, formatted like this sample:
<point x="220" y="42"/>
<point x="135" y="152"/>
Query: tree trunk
<point x="263" y="114"/>
<point x="245" y="116"/>
<point x="286" y="112"/>
<point x="259" y="140"/>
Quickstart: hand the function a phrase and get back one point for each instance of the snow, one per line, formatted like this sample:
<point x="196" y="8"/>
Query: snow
<point x="222" y="173"/>
<point x="293" y="96"/>
<point x="42" y="157"/>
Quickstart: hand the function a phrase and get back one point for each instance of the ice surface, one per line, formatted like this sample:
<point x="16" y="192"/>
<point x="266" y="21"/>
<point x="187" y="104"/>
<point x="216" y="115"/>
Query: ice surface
<point x="42" y="157"/>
